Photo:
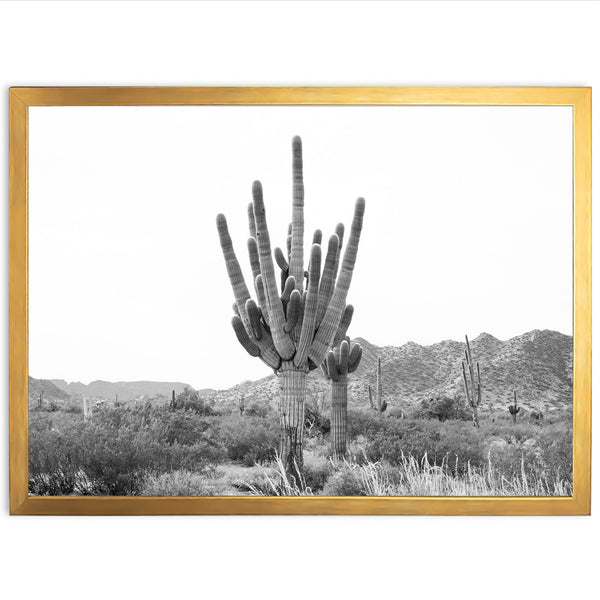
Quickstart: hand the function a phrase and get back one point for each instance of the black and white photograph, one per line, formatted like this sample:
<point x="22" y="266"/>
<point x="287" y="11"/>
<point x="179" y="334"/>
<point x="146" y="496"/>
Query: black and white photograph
<point x="301" y="301"/>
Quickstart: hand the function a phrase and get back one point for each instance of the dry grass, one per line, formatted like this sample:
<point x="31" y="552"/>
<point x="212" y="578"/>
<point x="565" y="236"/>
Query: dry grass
<point x="416" y="478"/>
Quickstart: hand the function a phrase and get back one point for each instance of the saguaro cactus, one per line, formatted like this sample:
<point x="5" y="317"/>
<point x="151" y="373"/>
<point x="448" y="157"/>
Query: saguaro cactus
<point x="513" y="409"/>
<point x="291" y="331"/>
<point x="378" y="403"/>
<point x="40" y="400"/>
<point x="341" y="361"/>
<point x="472" y="376"/>
<point x="241" y="405"/>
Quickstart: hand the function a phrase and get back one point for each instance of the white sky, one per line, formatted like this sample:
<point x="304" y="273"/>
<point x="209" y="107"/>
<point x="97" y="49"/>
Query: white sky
<point x="468" y="227"/>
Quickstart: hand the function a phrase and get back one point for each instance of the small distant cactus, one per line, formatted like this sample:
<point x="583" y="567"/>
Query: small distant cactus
<point x="513" y="409"/>
<point x="378" y="403"/>
<point x="241" y="405"/>
<point x="341" y="361"/>
<point x="472" y="382"/>
<point x="87" y="409"/>
<point x="39" y="402"/>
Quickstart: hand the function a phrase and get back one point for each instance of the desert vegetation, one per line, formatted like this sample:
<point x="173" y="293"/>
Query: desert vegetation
<point x="192" y="447"/>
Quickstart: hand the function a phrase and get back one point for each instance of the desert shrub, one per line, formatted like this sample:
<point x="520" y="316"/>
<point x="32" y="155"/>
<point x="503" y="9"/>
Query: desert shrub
<point x="257" y="409"/>
<point x="315" y="422"/>
<point x="443" y="409"/>
<point x="545" y="453"/>
<point x="248" y="440"/>
<point x="366" y="422"/>
<point x="117" y="461"/>
<point x="73" y="407"/>
<point x="52" y="462"/>
<point x="454" y="442"/>
<point x="110" y="454"/>
<point x="346" y="481"/>
<point x="183" y="427"/>
<point x="317" y="469"/>
<point x="396" y="412"/>
<point x="556" y="446"/>
<point x="190" y="399"/>
<point x="178" y="483"/>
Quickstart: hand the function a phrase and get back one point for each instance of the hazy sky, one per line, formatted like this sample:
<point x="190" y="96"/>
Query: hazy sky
<point x="468" y="227"/>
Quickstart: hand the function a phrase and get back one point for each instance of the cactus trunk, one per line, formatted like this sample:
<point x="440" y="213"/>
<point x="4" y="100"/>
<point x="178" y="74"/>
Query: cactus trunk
<point x="474" y="392"/>
<point x="475" y="415"/>
<point x="292" y="386"/>
<point x="514" y="409"/>
<point x="339" y="413"/>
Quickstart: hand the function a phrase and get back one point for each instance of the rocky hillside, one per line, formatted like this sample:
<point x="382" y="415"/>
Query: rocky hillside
<point x="46" y="390"/>
<point x="538" y="365"/>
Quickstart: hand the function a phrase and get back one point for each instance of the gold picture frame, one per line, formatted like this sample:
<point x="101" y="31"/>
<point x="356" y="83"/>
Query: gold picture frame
<point x="21" y="98"/>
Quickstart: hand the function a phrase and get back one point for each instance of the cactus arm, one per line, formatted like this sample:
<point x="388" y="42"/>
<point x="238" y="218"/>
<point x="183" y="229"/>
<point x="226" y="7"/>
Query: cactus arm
<point x="235" y="309"/>
<point x="371" y="398"/>
<point x="254" y="261"/>
<point x="251" y="221"/>
<point x="288" y="243"/>
<point x="344" y="324"/>
<point x="468" y="350"/>
<point x="280" y="260"/>
<point x="293" y="310"/>
<point x="283" y="343"/>
<point x="354" y="358"/>
<point x="333" y="315"/>
<point x="310" y="310"/>
<point x="243" y="337"/>
<point x="254" y="316"/>
<point x="332" y="367"/>
<point x="328" y="278"/>
<point x="296" y="255"/>
<point x="473" y="386"/>
<point x="344" y="352"/>
<point x="464" y="372"/>
<point x="317" y="236"/>
<point x="301" y="313"/>
<point x="268" y="352"/>
<point x="236" y="277"/>
<point x="339" y="231"/>
<point x="262" y="299"/>
<point x="290" y="285"/>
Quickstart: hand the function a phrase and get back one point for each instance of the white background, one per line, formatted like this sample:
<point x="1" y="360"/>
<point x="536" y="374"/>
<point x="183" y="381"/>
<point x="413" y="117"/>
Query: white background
<point x="468" y="227"/>
<point x="518" y="43"/>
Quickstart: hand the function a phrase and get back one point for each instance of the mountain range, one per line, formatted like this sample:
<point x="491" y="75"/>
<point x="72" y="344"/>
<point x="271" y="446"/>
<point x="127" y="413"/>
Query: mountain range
<point x="124" y="391"/>
<point x="538" y="365"/>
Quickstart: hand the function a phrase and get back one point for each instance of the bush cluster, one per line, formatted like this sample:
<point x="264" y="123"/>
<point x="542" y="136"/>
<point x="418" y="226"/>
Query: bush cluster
<point x="131" y="450"/>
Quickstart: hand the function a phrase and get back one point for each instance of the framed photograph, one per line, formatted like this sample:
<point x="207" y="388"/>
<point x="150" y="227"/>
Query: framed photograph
<point x="300" y="300"/>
